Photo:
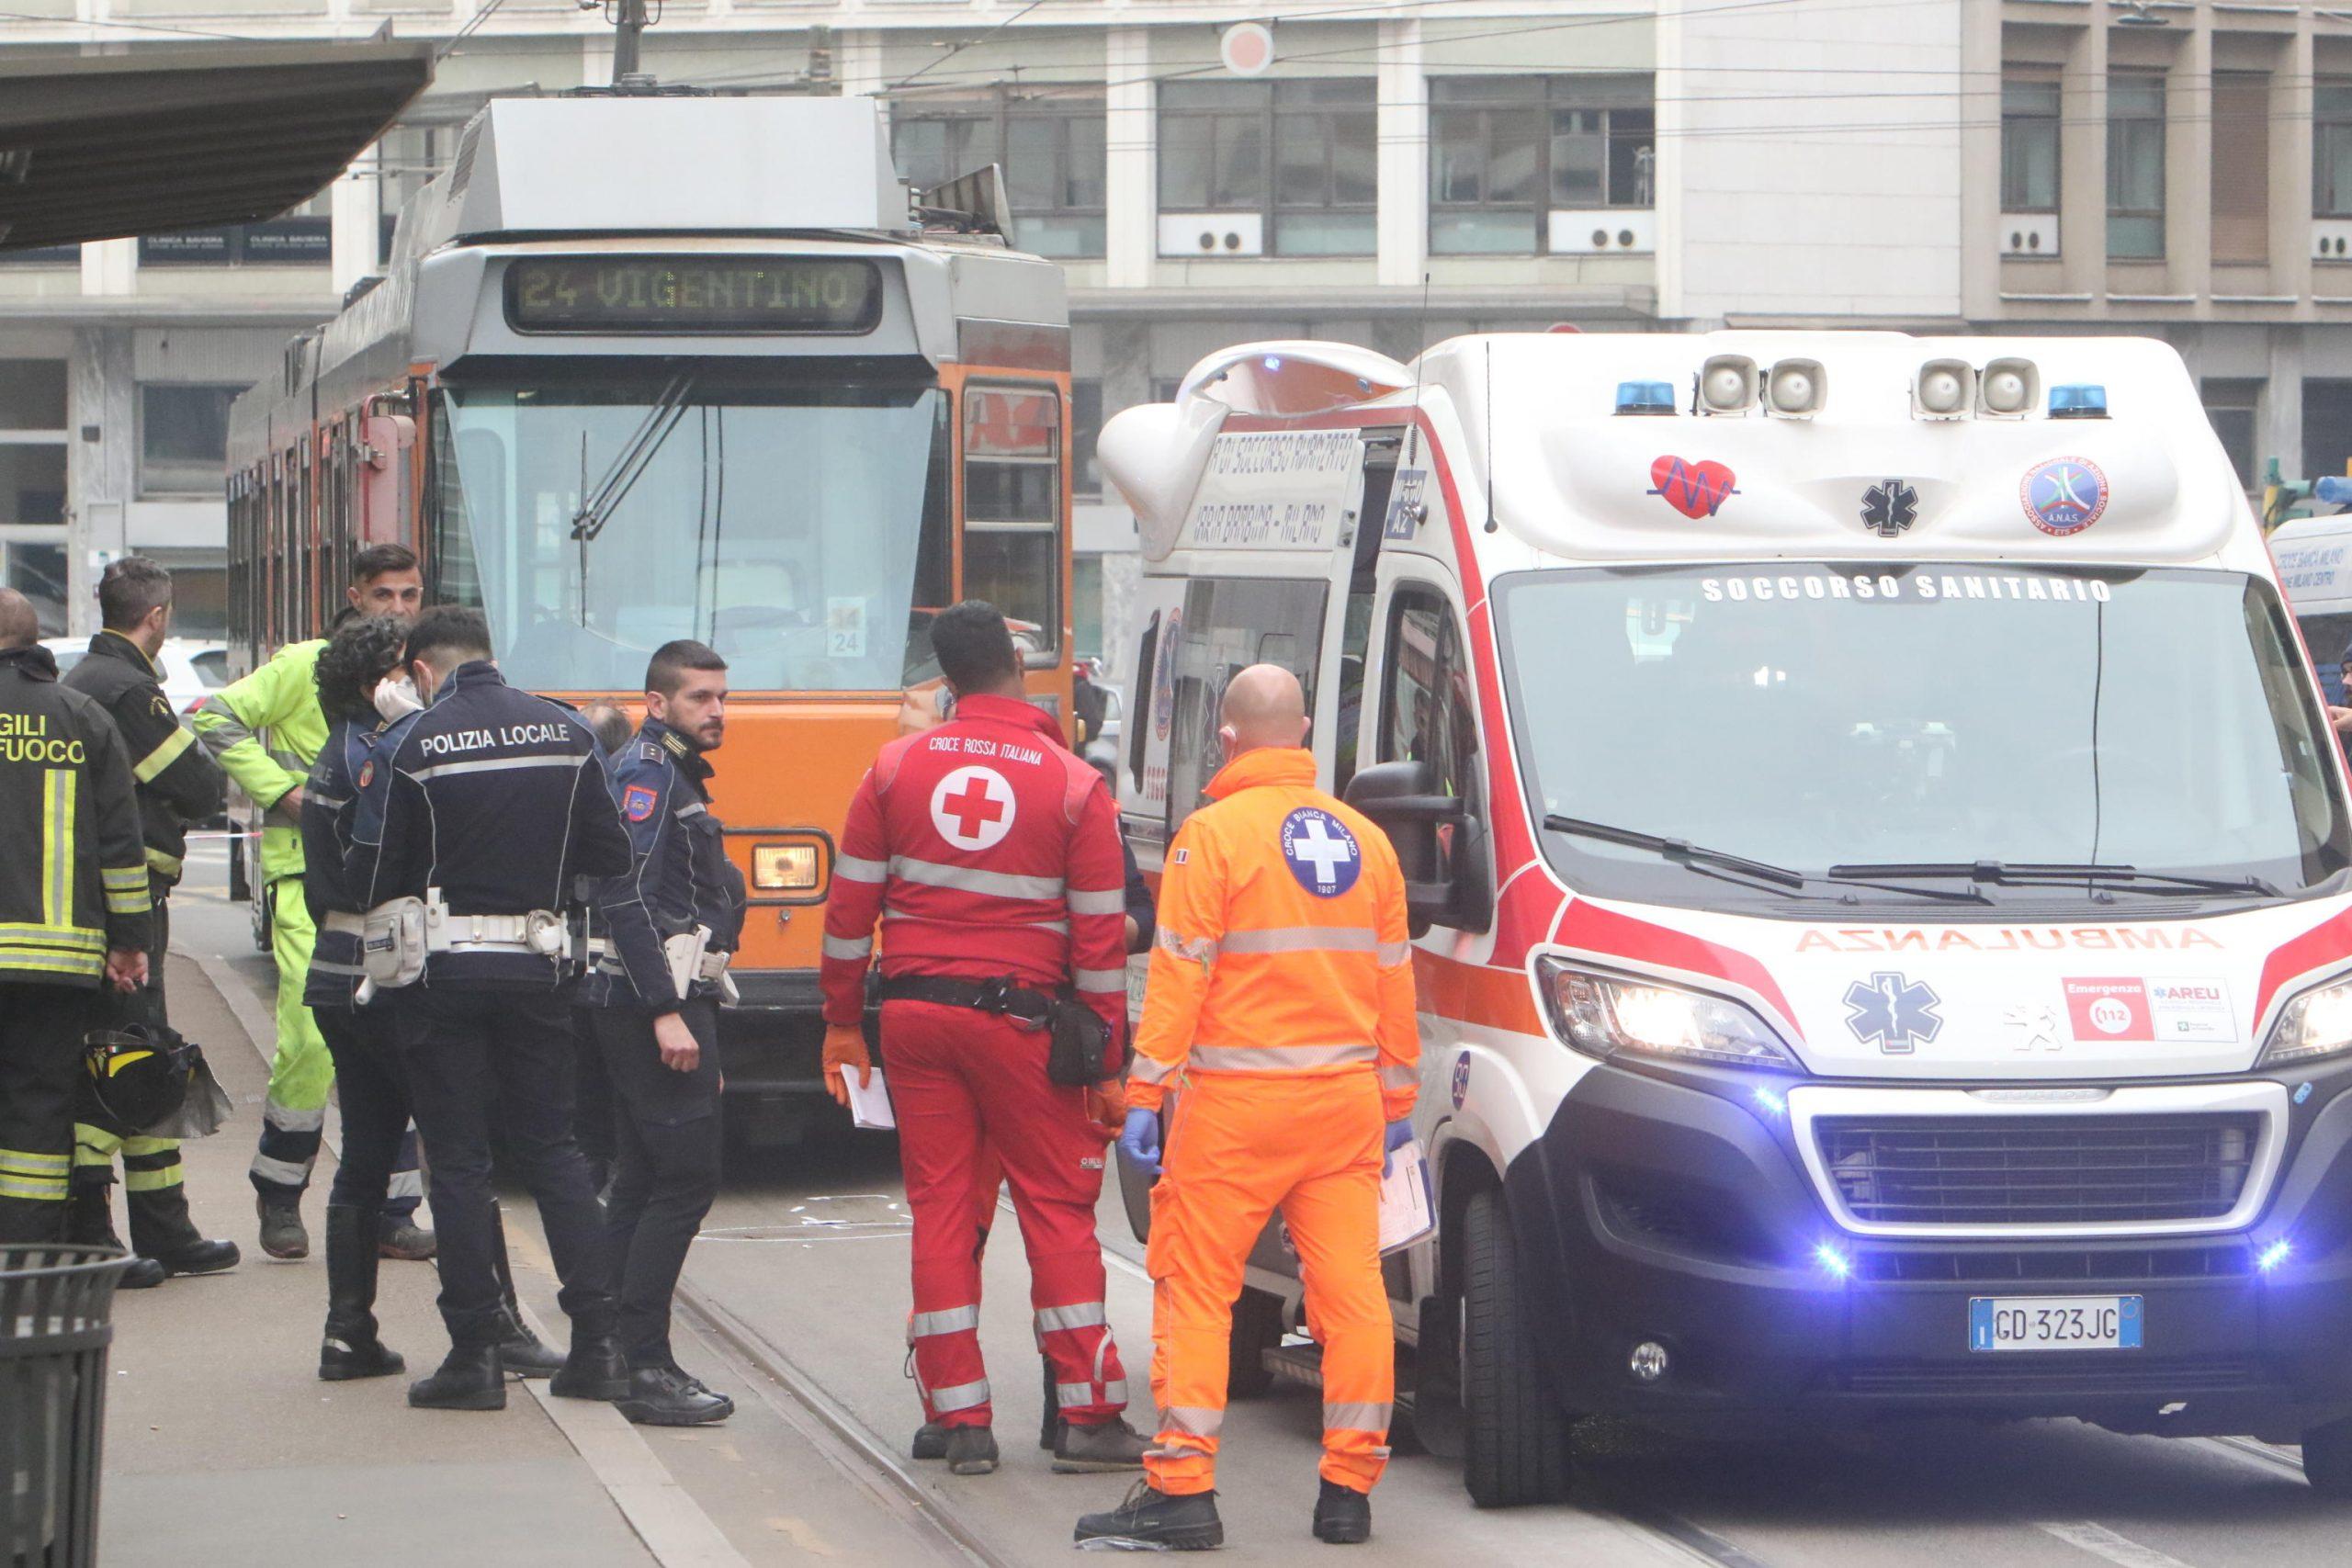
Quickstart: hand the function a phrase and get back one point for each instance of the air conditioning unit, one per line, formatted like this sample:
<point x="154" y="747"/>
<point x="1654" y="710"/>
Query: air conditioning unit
<point x="1603" y="231"/>
<point x="2025" y="235"/>
<point x="2332" y="239"/>
<point x="1200" y="234"/>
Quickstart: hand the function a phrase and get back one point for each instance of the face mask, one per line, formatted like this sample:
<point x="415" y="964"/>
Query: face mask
<point x="397" y="699"/>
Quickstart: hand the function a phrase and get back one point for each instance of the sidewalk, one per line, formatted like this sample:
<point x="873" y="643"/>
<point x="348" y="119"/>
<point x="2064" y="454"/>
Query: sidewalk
<point x="222" y="1445"/>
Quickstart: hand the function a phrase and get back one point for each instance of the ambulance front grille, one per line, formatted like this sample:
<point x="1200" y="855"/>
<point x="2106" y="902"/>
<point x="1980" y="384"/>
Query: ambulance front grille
<point x="2040" y="1170"/>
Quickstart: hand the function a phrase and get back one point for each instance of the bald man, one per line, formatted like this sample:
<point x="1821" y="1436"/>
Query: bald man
<point x="1281" y="989"/>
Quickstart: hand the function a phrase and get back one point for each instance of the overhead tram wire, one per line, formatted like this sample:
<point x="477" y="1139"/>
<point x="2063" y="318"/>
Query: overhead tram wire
<point x="131" y="26"/>
<point x="473" y="24"/>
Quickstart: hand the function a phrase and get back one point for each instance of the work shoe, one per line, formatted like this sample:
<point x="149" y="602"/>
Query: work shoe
<point x="1342" y="1515"/>
<point x="468" y="1380"/>
<point x="971" y="1451"/>
<point x="930" y="1441"/>
<point x="664" y="1396"/>
<point x="200" y="1256"/>
<point x="594" y="1370"/>
<point x="1090" y="1450"/>
<point x="282" y="1235"/>
<point x="143" y="1274"/>
<point x="399" y="1236"/>
<point x="523" y="1353"/>
<point x="1150" y="1517"/>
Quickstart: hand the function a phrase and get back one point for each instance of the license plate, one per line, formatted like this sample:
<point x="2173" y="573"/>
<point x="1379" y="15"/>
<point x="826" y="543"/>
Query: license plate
<point x="2054" y="1323"/>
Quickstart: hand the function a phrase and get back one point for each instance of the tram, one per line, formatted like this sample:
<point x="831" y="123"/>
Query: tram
<point x="652" y="368"/>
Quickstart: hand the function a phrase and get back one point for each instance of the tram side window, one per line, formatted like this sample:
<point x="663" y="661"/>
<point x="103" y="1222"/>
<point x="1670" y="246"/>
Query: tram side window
<point x="1429" y="713"/>
<point x="1012" y="468"/>
<point x="1227" y="625"/>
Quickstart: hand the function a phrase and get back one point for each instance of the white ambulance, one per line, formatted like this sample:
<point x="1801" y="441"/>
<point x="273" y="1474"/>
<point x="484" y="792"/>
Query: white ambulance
<point x="1879" y="862"/>
<point x="2314" y="561"/>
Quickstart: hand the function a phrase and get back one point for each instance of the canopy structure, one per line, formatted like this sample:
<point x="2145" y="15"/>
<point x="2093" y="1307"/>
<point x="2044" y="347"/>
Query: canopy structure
<point x="103" y="146"/>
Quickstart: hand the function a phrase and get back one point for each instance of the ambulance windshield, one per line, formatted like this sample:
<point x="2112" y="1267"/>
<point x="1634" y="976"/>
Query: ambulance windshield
<point x="1816" y="715"/>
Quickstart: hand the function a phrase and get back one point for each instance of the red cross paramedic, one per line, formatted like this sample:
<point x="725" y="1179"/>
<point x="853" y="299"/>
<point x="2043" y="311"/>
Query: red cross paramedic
<point x="990" y="856"/>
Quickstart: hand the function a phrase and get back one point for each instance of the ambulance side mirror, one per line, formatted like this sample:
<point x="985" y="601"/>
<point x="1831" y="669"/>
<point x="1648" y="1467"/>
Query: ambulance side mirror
<point x="1403" y="799"/>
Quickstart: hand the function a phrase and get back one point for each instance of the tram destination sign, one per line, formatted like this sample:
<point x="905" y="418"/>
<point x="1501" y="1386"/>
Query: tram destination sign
<point x="693" y="295"/>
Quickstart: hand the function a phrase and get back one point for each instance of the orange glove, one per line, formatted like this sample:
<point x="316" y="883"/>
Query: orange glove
<point x="1106" y="1107"/>
<point x="845" y="1047"/>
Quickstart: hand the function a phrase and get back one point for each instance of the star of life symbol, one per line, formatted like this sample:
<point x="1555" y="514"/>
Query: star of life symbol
<point x="1322" y="853"/>
<point x="2033" y="1026"/>
<point x="1889" y="508"/>
<point x="972" y="807"/>
<point x="1892" y="1013"/>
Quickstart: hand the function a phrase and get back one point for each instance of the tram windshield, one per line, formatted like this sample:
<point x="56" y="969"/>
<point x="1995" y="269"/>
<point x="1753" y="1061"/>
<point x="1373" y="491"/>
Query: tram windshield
<point x="799" y="530"/>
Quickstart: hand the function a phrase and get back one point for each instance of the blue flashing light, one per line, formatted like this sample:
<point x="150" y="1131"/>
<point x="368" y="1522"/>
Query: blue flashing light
<point x="2333" y="488"/>
<point x="1771" y="1102"/>
<point x="2078" y="400"/>
<point x="1273" y="362"/>
<point x="1834" y="1263"/>
<point x="1645" y="397"/>
<point x="2277" y="1252"/>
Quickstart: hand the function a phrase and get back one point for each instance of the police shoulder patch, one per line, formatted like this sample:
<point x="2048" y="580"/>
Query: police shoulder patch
<point x="367" y="772"/>
<point x="649" y="751"/>
<point x="637" y="802"/>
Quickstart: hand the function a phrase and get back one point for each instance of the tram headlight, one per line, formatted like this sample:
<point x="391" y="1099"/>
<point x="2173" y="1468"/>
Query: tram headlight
<point x="788" y="868"/>
<point x="2315" y="1023"/>
<point x="1603" y="1014"/>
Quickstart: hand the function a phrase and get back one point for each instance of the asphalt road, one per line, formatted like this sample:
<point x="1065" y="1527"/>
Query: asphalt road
<point x="799" y="1283"/>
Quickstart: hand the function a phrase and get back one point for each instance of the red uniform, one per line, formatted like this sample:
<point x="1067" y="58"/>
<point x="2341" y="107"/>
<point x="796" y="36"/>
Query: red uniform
<point x="988" y="851"/>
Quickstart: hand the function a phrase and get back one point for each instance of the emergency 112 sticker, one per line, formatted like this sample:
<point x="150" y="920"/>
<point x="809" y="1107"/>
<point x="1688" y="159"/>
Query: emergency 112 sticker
<point x="2065" y="495"/>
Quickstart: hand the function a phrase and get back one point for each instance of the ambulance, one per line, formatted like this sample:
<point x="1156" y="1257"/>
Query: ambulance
<point x="2314" y="561"/>
<point x="1878" y="864"/>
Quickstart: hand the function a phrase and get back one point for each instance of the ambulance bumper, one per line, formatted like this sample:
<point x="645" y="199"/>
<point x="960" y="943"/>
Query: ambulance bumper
<point x="1676" y="1212"/>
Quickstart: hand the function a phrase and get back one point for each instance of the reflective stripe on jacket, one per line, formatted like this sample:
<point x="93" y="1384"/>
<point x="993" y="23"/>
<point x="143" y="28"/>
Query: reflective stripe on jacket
<point x="266" y="731"/>
<point x="1282" y="945"/>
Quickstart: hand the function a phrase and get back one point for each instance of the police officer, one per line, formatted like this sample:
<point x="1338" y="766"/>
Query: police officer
<point x="592" y="1112"/>
<point x="74" y="913"/>
<point x="484" y="809"/>
<point x="178" y="784"/>
<point x="673" y="918"/>
<point x="990" y="855"/>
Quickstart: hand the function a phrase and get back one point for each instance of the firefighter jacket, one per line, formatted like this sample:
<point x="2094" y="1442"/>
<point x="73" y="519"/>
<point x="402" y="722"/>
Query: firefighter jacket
<point x="986" y="849"/>
<point x="179" y="784"/>
<point x="328" y="808"/>
<point x="73" y="871"/>
<point x="495" y="798"/>
<point x="679" y="877"/>
<point x="1282" y="946"/>
<point x="264" y="731"/>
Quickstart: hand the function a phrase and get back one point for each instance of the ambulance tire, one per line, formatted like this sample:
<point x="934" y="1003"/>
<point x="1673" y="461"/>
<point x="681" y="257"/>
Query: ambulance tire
<point x="1256" y="1328"/>
<point x="1515" y="1438"/>
<point x="2327" y="1458"/>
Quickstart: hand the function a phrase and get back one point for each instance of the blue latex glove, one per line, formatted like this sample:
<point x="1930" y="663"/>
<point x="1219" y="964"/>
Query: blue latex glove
<point x="1400" y="1133"/>
<point x="1139" y="1140"/>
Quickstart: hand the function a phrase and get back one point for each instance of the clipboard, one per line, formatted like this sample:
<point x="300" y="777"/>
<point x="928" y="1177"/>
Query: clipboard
<point x="1407" y="1215"/>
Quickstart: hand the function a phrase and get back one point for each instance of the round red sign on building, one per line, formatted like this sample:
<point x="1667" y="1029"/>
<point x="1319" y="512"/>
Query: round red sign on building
<point x="1246" y="48"/>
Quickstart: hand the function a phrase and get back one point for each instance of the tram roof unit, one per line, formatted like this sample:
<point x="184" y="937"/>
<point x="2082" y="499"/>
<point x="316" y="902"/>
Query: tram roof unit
<point x="1603" y="448"/>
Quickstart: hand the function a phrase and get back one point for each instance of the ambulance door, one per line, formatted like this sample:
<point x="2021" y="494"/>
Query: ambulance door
<point x="1347" y="639"/>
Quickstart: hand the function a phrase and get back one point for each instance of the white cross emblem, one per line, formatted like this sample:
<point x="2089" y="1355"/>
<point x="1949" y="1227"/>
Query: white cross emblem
<point x="1315" y="846"/>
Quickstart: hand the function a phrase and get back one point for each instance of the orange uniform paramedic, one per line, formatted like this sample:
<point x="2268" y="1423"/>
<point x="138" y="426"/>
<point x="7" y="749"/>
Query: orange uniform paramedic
<point x="1282" y="991"/>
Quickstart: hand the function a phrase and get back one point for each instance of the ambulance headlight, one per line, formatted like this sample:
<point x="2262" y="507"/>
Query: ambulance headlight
<point x="786" y="868"/>
<point x="2317" y="1023"/>
<point x="1603" y="1015"/>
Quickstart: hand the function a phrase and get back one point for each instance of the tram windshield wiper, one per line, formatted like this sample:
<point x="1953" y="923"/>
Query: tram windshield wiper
<point x="636" y="454"/>
<point x="2032" y="873"/>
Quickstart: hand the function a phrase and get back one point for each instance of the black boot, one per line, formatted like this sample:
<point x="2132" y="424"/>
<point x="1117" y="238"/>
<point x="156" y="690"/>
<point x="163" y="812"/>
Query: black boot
<point x="162" y="1229"/>
<point x="89" y="1222"/>
<point x="971" y="1451"/>
<point x="1153" y="1518"/>
<point x="1050" y="1430"/>
<point x="1109" y="1445"/>
<point x="282" y="1235"/>
<point x="1342" y="1515"/>
<point x="351" y="1349"/>
<point x="596" y="1369"/>
<point x="930" y="1441"/>
<point x="664" y="1396"/>
<point x="469" y="1378"/>
<point x="523" y="1353"/>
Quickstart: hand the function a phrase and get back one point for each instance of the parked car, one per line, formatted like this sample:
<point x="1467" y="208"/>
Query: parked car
<point x="192" y="669"/>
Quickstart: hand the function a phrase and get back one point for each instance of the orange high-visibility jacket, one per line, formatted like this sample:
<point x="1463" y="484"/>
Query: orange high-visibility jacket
<point x="1282" y="946"/>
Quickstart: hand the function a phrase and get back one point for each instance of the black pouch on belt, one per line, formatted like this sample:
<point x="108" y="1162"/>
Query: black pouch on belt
<point x="1080" y="1038"/>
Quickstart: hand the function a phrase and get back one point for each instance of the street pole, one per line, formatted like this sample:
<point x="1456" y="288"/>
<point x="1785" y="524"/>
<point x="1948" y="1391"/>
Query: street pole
<point x="629" y="27"/>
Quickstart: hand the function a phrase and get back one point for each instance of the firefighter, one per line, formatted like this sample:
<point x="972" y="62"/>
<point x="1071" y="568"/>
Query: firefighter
<point x="475" y="815"/>
<point x="990" y="855"/>
<point x="178" y="784"/>
<point x="266" y="731"/>
<point x="74" y="913"/>
<point x="1282" y="989"/>
<point x="671" y="922"/>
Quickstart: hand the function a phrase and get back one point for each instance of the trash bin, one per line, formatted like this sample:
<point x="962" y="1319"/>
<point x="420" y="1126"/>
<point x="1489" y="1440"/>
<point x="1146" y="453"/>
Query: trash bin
<point x="56" y="1307"/>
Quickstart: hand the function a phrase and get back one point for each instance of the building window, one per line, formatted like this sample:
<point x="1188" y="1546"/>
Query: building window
<point x="183" y="439"/>
<point x="2230" y="407"/>
<point x="1301" y="155"/>
<point x="2135" y="167"/>
<point x="1505" y="151"/>
<point x="2030" y="146"/>
<point x="2332" y="150"/>
<point x="1085" y="429"/>
<point x="2327" y="426"/>
<point x="1051" y="146"/>
<point x="2239" y="171"/>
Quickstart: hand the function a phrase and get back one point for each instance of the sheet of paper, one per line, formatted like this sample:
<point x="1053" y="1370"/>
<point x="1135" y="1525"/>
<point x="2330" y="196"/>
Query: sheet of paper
<point x="869" y="1104"/>
<point x="1406" y="1214"/>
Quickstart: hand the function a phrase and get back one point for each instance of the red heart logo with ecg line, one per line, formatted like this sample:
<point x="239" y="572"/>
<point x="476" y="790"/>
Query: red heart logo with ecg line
<point x="1695" y="489"/>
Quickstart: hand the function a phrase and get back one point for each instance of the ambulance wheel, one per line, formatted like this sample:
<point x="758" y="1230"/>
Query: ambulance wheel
<point x="2327" y="1458"/>
<point x="1515" y="1438"/>
<point x="1256" y="1328"/>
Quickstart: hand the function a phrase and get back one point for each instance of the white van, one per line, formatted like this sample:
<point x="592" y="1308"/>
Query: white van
<point x="2314" y="559"/>
<point x="1879" y="859"/>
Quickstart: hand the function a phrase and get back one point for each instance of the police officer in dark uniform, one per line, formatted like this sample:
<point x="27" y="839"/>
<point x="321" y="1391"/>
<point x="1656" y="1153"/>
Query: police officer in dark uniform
<point x="671" y="923"/>
<point x="178" y="784"/>
<point x="476" y="815"/>
<point x="73" y="912"/>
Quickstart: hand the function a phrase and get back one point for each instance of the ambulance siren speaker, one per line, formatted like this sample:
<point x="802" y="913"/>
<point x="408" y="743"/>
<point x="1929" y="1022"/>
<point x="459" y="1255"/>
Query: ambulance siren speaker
<point x="2009" y="388"/>
<point x="1796" y="388"/>
<point x="1946" y="390"/>
<point x="1728" y="384"/>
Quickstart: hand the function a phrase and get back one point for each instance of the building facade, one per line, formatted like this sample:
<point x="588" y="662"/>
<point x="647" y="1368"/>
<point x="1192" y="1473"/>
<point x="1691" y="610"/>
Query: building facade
<point x="1397" y="174"/>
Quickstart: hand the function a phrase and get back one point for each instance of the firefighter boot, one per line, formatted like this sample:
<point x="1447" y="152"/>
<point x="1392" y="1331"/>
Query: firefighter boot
<point x="89" y="1222"/>
<point x="523" y="1353"/>
<point x="350" y="1349"/>
<point x="161" y="1228"/>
